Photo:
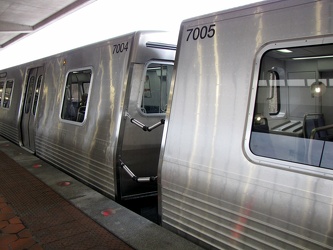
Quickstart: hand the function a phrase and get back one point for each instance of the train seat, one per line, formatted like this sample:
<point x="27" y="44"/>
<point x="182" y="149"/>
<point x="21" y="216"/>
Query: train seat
<point x="82" y="108"/>
<point x="80" y="114"/>
<point x="315" y="121"/>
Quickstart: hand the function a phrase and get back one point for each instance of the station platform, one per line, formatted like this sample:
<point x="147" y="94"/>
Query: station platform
<point x="41" y="207"/>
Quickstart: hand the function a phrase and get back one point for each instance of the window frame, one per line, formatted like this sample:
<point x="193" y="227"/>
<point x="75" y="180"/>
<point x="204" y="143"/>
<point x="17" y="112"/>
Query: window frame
<point x="142" y="83"/>
<point x="2" y="93"/>
<point x="77" y="123"/>
<point x="37" y="93"/>
<point x="264" y="160"/>
<point x="11" y="93"/>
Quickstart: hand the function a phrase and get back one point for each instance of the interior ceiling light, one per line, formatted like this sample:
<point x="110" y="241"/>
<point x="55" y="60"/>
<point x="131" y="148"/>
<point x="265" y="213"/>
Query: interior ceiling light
<point x="317" y="89"/>
<point x="312" y="57"/>
<point x="284" y="50"/>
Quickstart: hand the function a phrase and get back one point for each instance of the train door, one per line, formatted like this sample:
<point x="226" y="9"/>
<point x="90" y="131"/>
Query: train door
<point x="143" y="130"/>
<point x="28" y="125"/>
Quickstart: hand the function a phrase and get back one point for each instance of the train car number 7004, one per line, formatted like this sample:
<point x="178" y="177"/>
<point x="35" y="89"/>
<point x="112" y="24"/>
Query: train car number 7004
<point x="119" y="48"/>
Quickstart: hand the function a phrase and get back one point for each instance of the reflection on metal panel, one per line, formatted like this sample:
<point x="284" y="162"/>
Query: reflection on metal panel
<point x="214" y="189"/>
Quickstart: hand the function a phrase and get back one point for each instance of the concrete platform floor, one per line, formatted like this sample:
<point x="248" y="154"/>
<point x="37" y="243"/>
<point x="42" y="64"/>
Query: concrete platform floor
<point x="33" y="216"/>
<point x="41" y="207"/>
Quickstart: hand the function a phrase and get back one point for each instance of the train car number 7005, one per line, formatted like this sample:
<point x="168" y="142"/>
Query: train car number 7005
<point x="202" y="33"/>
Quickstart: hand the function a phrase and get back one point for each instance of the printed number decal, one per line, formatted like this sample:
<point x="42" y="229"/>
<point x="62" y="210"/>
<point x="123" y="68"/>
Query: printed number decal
<point x="119" y="48"/>
<point x="201" y="33"/>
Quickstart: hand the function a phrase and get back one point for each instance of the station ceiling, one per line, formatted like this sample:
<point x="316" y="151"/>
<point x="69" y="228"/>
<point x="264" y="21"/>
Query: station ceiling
<point x="18" y="18"/>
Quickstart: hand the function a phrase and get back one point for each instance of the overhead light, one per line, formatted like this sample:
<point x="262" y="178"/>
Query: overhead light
<point x="317" y="89"/>
<point x="284" y="51"/>
<point x="312" y="57"/>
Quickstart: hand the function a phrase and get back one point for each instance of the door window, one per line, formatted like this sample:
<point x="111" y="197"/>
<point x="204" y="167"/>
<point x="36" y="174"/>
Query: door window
<point x="29" y="94"/>
<point x="2" y="84"/>
<point x="156" y="87"/>
<point x="37" y="92"/>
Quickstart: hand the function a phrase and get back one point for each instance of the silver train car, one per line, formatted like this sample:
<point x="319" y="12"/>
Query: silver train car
<point x="247" y="152"/>
<point x="235" y="137"/>
<point x="96" y="112"/>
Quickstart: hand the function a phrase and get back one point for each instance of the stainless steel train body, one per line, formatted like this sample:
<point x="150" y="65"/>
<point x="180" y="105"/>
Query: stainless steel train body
<point x="78" y="110"/>
<point x="246" y="159"/>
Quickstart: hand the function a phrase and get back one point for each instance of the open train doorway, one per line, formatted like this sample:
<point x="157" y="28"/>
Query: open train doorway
<point x="29" y="108"/>
<point x="142" y="136"/>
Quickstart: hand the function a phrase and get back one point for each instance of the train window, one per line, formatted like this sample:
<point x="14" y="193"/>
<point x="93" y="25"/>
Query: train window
<point x="293" y="116"/>
<point x="76" y="95"/>
<point x="2" y="84"/>
<point x="8" y="94"/>
<point x="37" y="90"/>
<point x="29" y="94"/>
<point x="156" y="87"/>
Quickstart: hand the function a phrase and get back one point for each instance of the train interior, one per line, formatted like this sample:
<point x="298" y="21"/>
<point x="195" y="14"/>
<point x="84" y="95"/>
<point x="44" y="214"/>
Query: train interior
<point x="293" y="118"/>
